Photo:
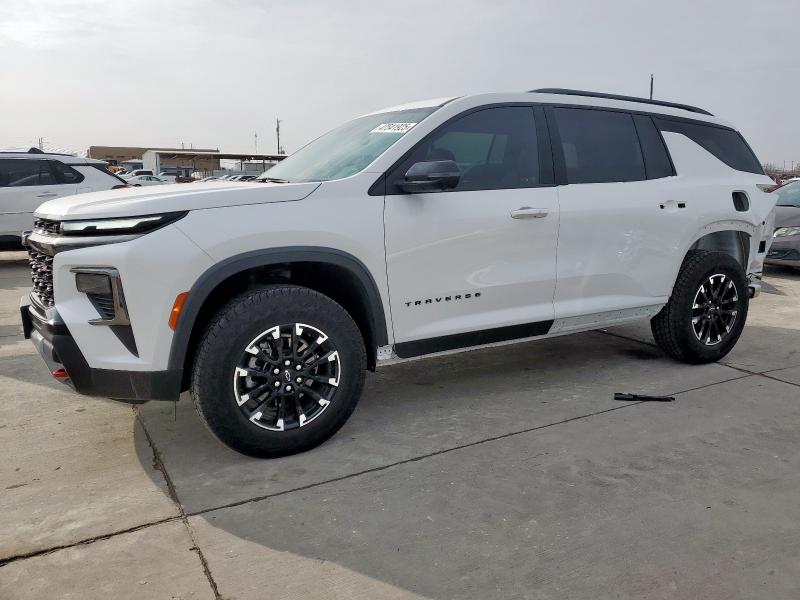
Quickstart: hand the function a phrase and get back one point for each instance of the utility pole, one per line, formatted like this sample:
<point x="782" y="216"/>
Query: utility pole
<point x="651" y="86"/>
<point x="278" y="133"/>
<point x="255" y="140"/>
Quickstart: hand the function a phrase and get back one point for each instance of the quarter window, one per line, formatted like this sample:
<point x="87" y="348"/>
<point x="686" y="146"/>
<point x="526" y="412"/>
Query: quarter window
<point x="494" y="148"/>
<point x="726" y="144"/>
<point x="64" y="173"/>
<point x="599" y="146"/>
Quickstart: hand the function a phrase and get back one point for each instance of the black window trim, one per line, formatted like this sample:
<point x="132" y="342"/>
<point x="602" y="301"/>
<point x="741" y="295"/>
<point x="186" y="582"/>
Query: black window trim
<point x="50" y="165"/>
<point x="552" y="141"/>
<point x="384" y="184"/>
<point x="558" y="152"/>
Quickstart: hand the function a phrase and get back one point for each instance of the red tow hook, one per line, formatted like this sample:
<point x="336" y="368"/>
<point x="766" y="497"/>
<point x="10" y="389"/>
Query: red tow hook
<point x="60" y="374"/>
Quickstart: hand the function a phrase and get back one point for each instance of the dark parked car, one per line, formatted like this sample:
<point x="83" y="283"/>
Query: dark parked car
<point x="786" y="241"/>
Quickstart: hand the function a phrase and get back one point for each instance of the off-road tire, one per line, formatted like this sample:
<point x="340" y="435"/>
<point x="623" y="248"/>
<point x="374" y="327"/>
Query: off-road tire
<point x="227" y="336"/>
<point x="672" y="327"/>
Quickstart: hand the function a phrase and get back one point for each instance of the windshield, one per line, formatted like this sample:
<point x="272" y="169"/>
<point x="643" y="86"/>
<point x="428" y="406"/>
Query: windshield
<point x="789" y="194"/>
<point x="347" y="149"/>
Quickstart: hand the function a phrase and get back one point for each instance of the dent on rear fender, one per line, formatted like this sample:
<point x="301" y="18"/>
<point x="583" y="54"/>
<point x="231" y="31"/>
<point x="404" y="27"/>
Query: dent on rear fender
<point x="753" y="230"/>
<point x="756" y="232"/>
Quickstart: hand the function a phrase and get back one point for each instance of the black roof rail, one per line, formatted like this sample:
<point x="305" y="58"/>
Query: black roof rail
<point x="567" y="92"/>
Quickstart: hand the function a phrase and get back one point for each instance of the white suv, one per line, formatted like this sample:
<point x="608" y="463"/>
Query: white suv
<point x="29" y="178"/>
<point x="419" y="229"/>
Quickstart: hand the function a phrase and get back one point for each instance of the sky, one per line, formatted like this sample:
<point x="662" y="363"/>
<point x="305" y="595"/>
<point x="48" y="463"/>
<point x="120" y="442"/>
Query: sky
<point x="211" y="73"/>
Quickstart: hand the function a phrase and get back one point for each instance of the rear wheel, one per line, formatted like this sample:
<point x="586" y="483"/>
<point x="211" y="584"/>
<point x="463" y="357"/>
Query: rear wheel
<point x="279" y="371"/>
<point x="707" y="311"/>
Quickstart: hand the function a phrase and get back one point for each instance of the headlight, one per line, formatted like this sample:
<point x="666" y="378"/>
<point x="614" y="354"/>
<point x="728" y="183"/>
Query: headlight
<point x="119" y="226"/>
<point x="786" y="231"/>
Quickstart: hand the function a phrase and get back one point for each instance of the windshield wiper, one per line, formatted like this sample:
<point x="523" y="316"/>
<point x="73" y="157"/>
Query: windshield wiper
<point x="273" y="179"/>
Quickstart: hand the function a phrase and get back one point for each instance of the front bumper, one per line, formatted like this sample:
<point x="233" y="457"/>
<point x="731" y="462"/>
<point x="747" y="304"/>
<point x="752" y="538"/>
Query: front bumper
<point x="57" y="347"/>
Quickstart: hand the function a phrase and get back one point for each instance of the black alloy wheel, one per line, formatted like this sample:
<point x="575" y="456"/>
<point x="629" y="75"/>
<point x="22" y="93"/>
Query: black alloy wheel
<point x="714" y="309"/>
<point x="287" y="376"/>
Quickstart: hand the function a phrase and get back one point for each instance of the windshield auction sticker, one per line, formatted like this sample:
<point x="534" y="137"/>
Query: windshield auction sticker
<point x="393" y="127"/>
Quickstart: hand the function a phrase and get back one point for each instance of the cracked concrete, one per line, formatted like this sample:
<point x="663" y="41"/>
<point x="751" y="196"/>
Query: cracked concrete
<point x="508" y="472"/>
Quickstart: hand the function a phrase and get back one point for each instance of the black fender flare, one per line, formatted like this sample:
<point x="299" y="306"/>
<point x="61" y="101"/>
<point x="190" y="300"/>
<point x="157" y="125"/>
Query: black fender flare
<point x="230" y="266"/>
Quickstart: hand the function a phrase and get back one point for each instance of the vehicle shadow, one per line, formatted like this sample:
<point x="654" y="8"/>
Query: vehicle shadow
<point x="14" y="271"/>
<point x="364" y="510"/>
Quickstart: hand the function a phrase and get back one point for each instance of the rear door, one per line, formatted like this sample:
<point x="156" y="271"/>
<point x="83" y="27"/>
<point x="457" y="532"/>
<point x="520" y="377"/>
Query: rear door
<point x="25" y="183"/>
<point x="622" y="223"/>
<point x="475" y="264"/>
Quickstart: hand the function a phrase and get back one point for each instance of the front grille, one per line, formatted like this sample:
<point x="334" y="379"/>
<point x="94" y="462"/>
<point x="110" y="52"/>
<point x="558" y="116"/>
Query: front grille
<point x="47" y="226"/>
<point x="42" y="276"/>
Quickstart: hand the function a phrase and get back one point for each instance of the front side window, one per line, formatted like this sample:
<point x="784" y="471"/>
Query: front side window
<point x="599" y="146"/>
<point x="23" y="172"/>
<point x="494" y="148"/>
<point x="347" y="149"/>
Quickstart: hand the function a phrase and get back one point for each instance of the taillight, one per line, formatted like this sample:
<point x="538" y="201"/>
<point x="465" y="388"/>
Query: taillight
<point x="120" y="186"/>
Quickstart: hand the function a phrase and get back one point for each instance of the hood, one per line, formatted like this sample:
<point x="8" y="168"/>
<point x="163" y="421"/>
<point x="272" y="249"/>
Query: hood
<point x="787" y="216"/>
<point x="134" y="201"/>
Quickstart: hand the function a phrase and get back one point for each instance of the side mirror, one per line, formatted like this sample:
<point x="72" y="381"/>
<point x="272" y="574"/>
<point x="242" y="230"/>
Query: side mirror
<point x="432" y="176"/>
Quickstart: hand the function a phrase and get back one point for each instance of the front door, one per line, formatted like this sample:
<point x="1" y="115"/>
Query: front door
<point x="475" y="264"/>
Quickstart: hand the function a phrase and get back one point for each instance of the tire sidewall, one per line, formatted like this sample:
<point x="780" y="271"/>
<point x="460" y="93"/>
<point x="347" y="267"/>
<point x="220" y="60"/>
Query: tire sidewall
<point x="227" y="337"/>
<point x="714" y="263"/>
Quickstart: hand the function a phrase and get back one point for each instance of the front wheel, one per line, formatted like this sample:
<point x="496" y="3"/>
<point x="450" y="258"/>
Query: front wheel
<point x="279" y="370"/>
<point x="707" y="311"/>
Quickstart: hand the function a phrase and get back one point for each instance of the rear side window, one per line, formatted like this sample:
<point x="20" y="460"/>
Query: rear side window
<point x="64" y="173"/>
<point x="494" y="148"/>
<point x="657" y="163"/>
<point x="22" y="172"/>
<point x="599" y="146"/>
<point x="726" y="144"/>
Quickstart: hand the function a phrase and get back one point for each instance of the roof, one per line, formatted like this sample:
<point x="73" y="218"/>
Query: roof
<point x="216" y="154"/>
<point x="430" y="103"/>
<point x="587" y="94"/>
<point x="36" y="153"/>
<point x="139" y="149"/>
<point x="572" y="97"/>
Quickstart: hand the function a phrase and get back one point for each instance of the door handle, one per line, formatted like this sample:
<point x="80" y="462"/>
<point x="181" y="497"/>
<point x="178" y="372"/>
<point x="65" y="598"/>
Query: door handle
<point x="526" y="212"/>
<point x="47" y="195"/>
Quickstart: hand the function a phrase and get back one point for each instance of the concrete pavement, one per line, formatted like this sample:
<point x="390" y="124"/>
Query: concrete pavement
<point x="502" y="473"/>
